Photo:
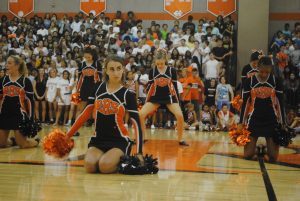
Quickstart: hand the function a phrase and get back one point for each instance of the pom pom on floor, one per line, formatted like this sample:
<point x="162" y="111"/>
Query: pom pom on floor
<point x="239" y="135"/>
<point x="29" y="128"/>
<point x="57" y="144"/>
<point x="131" y="165"/>
<point x="283" y="136"/>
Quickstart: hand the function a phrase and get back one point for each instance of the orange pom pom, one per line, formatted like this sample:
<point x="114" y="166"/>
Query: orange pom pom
<point x="57" y="144"/>
<point x="75" y="98"/>
<point x="237" y="102"/>
<point x="239" y="135"/>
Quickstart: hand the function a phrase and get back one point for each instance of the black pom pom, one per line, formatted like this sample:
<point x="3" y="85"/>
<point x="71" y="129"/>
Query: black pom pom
<point x="283" y="136"/>
<point x="28" y="127"/>
<point x="131" y="165"/>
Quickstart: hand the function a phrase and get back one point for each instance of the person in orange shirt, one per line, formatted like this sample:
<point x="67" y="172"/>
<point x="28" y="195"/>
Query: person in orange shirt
<point x="196" y="92"/>
<point x="148" y="40"/>
<point x="186" y="82"/>
<point x="283" y="58"/>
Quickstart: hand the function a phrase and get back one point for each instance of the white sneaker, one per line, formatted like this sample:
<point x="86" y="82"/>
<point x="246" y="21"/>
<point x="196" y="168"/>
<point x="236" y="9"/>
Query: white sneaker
<point x="126" y="125"/>
<point x="152" y="126"/>
<point x="192" y="128"/>
<point x="68" y="124"/>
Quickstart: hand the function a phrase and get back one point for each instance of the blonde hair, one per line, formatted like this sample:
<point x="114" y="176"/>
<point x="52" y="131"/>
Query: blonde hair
<point x="115" y="59"/>
<point x="21" y="63"/>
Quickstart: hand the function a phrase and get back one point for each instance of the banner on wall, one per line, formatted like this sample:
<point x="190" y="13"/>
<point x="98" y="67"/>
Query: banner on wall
<point x="92" y="6"/>
<point x="20" y="8"/>
<point x="178" y="8"/>
<point x="221" y="7"/>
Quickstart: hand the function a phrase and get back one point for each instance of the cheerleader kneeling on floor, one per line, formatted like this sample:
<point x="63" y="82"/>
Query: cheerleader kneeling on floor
<point x="262" y="109"/>
<point x="162" y="90"/>
<point x="16" y="103"/>
<point x="109" y="101"/>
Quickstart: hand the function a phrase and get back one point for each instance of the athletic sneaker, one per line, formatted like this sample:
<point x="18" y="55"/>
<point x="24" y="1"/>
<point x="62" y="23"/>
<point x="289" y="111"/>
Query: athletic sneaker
<point x="152" y="126"/>
<point x="183" y="143"/>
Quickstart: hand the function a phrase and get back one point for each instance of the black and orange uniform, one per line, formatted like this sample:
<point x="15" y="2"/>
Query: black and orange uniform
<point x="16" y="101"/>
<point x="248" y="71"/>
<point x="162" y="87"/>
<point x="262" y="107"/>
<point x="89" y="75"/>
<point x="109" y="111"/>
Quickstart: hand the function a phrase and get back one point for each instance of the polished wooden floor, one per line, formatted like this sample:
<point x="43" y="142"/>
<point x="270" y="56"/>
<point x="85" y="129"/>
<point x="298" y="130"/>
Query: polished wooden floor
<point x="210" y="169"/>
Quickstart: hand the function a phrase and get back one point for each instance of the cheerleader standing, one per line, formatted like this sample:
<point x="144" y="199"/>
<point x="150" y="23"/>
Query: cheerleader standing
<point x="16" y="101"/>
<point x="109" y="101"/>
<point x="89" y="76"/>
<point x="162" y="90"/>
<point x="262" y="108"/>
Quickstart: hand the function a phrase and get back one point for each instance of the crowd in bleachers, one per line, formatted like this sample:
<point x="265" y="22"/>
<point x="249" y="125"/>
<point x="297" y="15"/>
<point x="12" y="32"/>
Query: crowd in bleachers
<point x="199" y="49"/>
<point x="285" y="48"/>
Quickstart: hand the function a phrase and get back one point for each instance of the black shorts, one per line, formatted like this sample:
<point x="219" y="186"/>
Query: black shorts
<point x="106" y="146"/>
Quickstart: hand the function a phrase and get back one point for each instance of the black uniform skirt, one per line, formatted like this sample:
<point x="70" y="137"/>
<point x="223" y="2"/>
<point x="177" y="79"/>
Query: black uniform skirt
<point x="86" y="91"/>
<point x="10" y="121"/>
<point x="163" y="100"/>
<point x="106" y="145"/>
<point x="262" y="122"/>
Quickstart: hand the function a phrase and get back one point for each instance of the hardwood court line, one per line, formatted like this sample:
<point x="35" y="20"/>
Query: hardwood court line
<point x="268" y="184"/>
<point x="276" y="163"/>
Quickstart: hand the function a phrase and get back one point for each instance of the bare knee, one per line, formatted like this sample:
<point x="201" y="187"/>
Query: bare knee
<point x="107" y="167"/>
<point x="90" y="167"/>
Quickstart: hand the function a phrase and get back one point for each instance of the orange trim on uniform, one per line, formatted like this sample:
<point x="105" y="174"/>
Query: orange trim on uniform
<point x="83" y="117"/>
<point x="120" y="121"/>
<point x="136" y="132"/>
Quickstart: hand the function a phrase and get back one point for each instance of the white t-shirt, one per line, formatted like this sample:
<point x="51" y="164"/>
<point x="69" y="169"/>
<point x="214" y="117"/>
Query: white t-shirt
<point x="137" y="50"/>
<point x="182" y="50"/>
<point x="75" y="26"/>
<point x="43" y="32"/>
<point x="52" y="88"/>
<point x="64" y="86"/>
<point x="180" y="88"/>
<point x="205" y="58"/>
<point x="143" y="80"/>
<point x="211" y="69"/>
<point x="44" y="50"/>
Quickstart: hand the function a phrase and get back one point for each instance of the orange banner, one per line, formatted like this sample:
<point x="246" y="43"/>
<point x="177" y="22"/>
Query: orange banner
<point x="92" y="6"/>
<point x="20" y="8"/>
<point x="221" y="7"/>
<point x="178" y="8"/>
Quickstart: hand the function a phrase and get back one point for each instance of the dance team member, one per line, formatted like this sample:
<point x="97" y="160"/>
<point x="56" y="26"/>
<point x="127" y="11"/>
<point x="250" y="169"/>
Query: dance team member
<point x="109" y="101"/>
<point x="162" y="90"/>
<point x="16" y="101"/>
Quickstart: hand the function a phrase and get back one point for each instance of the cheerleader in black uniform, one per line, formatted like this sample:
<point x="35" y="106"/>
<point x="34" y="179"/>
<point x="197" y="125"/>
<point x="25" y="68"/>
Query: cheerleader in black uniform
<point x="250" y="69"/>
<point x="262" y="108"/>
<point x="162" y="90"/>
<point x="39" y="88"/>
<point x="16" y="101"/>
<point x="109" y="101"/>
<point x="89" y="76"/>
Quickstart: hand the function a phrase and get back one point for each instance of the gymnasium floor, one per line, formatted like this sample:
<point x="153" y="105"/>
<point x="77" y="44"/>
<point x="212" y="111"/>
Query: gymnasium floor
<point x="210" y="169"/>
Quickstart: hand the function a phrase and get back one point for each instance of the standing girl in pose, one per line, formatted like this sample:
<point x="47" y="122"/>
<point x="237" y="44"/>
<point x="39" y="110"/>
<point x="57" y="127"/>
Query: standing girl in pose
<point x="162" y="87"/>
<point x="51" y="93"/>
<point x="64" y="96"/>
<point x="16" y="102"/>
<point x="109" y="101"/>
